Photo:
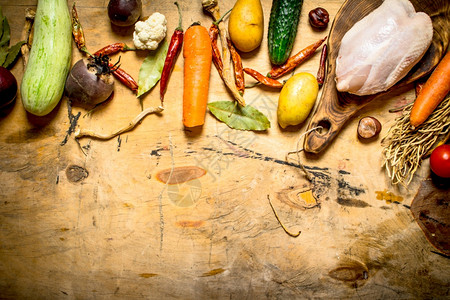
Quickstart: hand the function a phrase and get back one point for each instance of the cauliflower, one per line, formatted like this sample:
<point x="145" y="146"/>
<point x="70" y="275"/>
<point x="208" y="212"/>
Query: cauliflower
<point x="149" y="33"/>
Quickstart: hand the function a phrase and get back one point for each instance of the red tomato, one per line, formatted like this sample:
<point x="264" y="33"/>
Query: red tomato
<point x="440" y="161"/>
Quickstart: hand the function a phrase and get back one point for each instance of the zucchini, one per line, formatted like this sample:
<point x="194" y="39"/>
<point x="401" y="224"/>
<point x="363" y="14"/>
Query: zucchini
<point x="284" y="17"/>
<point x="43" y="81"/>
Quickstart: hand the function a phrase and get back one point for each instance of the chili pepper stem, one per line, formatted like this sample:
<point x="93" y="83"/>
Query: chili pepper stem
<point x="180" y="20"/>
<point x="222" y="17"/>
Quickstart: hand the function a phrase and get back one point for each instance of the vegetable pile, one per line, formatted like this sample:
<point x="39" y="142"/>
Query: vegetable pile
<point x="90" y="82"/>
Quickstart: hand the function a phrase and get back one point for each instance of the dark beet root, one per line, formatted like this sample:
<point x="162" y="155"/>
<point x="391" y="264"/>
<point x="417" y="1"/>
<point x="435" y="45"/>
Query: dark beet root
<point x="87" y="88"/>
<point x="8" y="87"/>
<point x="124" y="12"/>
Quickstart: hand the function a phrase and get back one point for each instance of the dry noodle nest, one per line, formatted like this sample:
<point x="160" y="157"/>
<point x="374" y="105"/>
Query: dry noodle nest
<point x="405" y="146"/>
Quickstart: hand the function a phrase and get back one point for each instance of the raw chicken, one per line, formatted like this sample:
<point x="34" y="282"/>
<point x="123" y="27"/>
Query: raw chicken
<point x="382" y="48"/>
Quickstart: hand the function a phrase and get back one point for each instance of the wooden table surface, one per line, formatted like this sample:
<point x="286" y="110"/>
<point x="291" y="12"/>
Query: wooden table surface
<point x="104" y="224"/>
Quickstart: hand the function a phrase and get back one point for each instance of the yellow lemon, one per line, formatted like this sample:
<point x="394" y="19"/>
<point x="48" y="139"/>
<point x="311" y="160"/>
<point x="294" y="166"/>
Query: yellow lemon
<point x="297" y="98"/>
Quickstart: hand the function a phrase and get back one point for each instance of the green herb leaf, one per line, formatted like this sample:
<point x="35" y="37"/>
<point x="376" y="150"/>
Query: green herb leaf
<point x="12" y="54"/>
<point x="239" y="117"/>
<point x="4" y="31"/>
<point x="3" y="54"/>
<point x="151" y="68"/>
<point x="2" y="19"/>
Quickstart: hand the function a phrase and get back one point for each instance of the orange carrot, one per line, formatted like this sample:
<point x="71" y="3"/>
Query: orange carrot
<point x="197" y="54"/>
<point x="432" y="93"/>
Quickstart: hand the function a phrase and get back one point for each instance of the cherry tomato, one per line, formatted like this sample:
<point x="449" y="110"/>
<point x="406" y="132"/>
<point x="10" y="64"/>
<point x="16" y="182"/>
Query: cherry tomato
<point x="440" y="161"/>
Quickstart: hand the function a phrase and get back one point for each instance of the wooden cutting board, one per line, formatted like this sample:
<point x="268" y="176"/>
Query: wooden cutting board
<point x="109" y="221"/>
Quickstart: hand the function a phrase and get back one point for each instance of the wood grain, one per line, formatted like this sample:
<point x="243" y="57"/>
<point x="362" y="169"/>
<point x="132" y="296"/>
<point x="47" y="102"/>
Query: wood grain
<point x="107" y="222"/>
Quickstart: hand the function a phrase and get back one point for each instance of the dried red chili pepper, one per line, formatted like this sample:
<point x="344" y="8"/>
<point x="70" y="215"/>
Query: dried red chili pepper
<point x="238" y="68"/>
<point x="295" y="60"/>
<point x="124" y="77"/>
<point x="216" y="56"/>
<point x="77" y="31"/>
<point x="263" y="79"/>
<point x="113" y="48"/>
<point x="174" y="49"/>
<point x="322" y="65"/>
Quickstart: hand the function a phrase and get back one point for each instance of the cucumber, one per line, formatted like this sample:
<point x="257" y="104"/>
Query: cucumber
<point x="284" y="17"/>
<point x="43" y="81"/>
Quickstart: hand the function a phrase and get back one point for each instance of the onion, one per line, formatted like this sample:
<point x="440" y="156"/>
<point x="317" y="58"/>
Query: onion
<point x="8" y="87"/>
<point x="89" y="82"/>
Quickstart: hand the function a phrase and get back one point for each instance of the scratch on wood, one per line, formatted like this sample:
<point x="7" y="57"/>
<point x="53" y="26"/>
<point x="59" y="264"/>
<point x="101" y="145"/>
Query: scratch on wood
<point x="156" y="152"/>
<point x="190" y="224"/>
<point x="352" y="202"/>
<point x="342" y="184"/>
<point x="147" y="275"/>
<point x="261" y="157"/>
<point x="73" y="120"/>
<point x="119" y="143"/>
<point x="213" y="272"/>
<point x="441" y="254"/>
<point x="161" y="215"/>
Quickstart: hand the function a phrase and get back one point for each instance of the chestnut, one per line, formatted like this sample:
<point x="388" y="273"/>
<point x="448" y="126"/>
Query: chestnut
<point x="368" y="128"/>
<point x="319" y="18"/>
<point x="124" y="12"/>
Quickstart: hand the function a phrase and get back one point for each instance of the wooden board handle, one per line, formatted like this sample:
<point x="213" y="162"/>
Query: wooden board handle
<point x="333" y="111"/>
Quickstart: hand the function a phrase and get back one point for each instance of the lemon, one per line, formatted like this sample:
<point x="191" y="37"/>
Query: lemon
<point x="297" y="98"/>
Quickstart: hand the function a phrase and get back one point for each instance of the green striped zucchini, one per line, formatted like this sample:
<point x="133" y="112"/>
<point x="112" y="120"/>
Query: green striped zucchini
<point x="43" y="81"/>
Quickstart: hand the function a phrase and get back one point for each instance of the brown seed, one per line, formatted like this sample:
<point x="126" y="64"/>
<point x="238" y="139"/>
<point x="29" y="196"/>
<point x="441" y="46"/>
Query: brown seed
<point x="368" y="127"/>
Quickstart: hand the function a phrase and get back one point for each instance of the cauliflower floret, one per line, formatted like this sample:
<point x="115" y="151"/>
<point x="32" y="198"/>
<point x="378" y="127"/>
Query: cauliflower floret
<point x="149" y="33"/>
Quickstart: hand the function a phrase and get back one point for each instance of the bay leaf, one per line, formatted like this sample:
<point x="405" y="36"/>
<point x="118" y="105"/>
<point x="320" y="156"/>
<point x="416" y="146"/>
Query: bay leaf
<point x="3" y="54"/>
<point x="12" y="54"/>
<point x="4" y="31"/>
<point x="239" y="117"/>
<point x="151" y="69"/>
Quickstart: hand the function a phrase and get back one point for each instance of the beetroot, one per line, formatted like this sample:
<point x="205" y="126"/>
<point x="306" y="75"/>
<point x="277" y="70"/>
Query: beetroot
<point x="8" y="87"/>
<point x="89" y="82"/>
<point x="124" y="12"/>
